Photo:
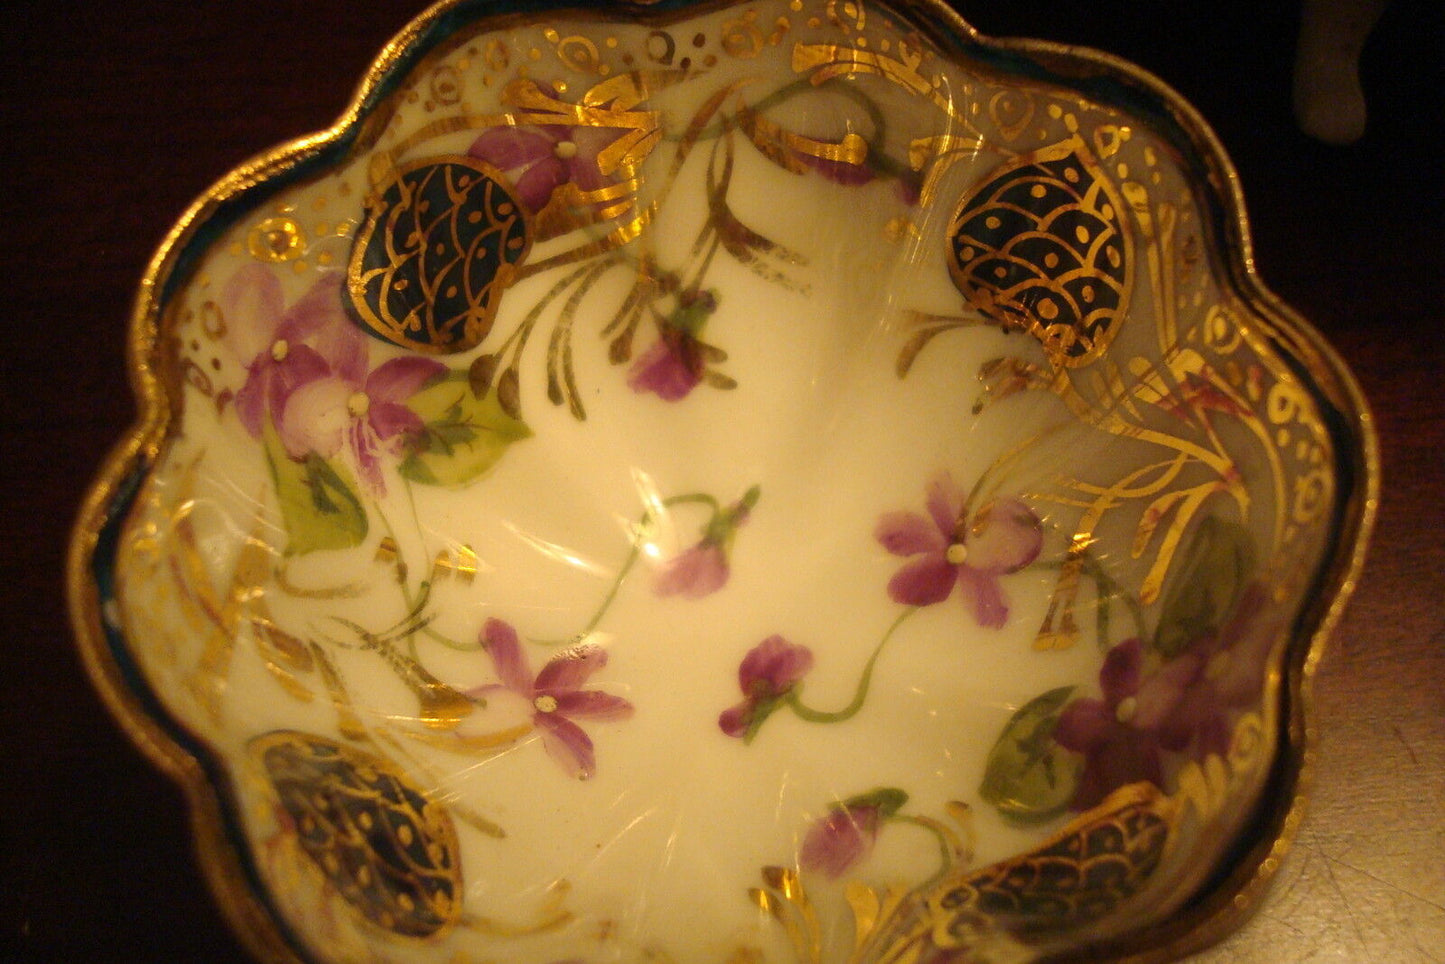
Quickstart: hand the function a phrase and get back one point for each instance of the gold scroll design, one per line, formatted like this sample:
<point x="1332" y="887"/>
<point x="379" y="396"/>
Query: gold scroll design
<point x="1040" y="247"/>
<point x="1109" y="863"/>
<point x="1289" y="428"/>
<point x="784" y="898"/>
<point x="1216" y="372"/>
<point x="825" y="62"/>
<point x="1084" y="872"/>
<point x="613" y="104"/>
<point x="787" y="149"/>
<point x="1114" y="860"/>
<point x="610" y="104"/>
<point x="1195" y="386"/>
<point x="743" y="38"/>
<point x="1178" y="405"/>
<point x="163" y="539"/>
<point x="903" y="68"/>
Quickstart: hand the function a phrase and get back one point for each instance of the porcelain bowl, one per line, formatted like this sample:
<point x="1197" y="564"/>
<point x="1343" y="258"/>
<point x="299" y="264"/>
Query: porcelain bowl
<point x="727" y="482"/>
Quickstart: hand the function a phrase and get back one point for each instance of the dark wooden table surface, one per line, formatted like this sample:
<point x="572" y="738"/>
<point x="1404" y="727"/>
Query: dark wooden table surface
<point x="116" y="115"/>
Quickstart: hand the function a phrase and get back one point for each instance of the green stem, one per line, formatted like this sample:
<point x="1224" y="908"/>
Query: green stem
<point x="415" y="604"/>
<point x="946" y="846"/>
<point x="715" y="130"/>
<point x="877" y="160"/>
<point x="699" y="498"/>
<point x="596" y="619"/>
<point x="694" y="498"/>
<point x="860" y="696"/>
<point x="1107" y="589"/>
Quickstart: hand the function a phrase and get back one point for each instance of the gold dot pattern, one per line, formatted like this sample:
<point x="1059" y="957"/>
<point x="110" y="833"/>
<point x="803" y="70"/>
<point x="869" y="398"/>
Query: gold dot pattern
<point x="390" y="852"/>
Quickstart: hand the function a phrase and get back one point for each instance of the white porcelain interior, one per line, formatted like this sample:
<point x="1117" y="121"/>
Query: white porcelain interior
<point x="661" y="850"/>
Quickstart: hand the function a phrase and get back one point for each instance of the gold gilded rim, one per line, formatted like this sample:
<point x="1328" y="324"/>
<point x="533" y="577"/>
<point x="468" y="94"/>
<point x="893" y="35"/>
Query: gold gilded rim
<point x="1223" y="907"/>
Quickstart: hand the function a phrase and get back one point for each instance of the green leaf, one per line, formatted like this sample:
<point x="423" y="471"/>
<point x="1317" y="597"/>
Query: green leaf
<point x="465" y="434"/>
<point x="1029" y="778"/>
<point x="1204" y="584"/>
<point x="886" y="800"/>
<point x="319" y="505"/>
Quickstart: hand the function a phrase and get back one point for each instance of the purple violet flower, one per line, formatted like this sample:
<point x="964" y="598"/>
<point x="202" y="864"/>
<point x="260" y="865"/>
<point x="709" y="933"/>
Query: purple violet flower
<point x="949" y="549"/>
<point x="676" y="363"/>
<point x="846" y="834"/>
<point x="556" y="695"/>
<point x="1231" y="668"/>
<point x="767" y="675"/>
<point x="1186" y="705"/>
<point x="703" y="569"/>
<point x="1121" y="735"/>
<point x="282" y="348"/>
<point x="356" y="409"/>
<point x="543" y="157"/>
<point x="670" y="368"/>
<point x="697" y="571"/>
<point x="309" y="374"/>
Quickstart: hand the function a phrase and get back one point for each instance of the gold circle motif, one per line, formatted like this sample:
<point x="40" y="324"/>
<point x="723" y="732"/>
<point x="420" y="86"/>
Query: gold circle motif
<point x="276" y="240"/>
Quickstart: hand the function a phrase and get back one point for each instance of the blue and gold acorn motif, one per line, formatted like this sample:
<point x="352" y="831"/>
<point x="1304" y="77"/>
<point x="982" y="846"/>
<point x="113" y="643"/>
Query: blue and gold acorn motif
<point x="390" y="852"/>
<point x="442" y="240"/>
<point x="1093" y="866"/>
<point x="1040" y="247"/>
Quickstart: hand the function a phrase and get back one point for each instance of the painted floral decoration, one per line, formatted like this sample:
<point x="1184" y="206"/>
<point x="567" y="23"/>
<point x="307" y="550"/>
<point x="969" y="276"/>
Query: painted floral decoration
<point x="281" y="347"/>
<point x="358" y="410"/>
<point x="948" y="548"/>
<point x="543" y="157"/>
<point x="1232" y="664"/>
<point x="846" y="834"/>
<point x="309" y="375"/>
<point x="555" y="695"/>
<point x="768" y="675"/>
<point x="676" y="363"/>
<point x="595" y="244"/>
<point x="1122" y="735"/>
<point x="1183" y="706"/>
<point x="703" y="568"/>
